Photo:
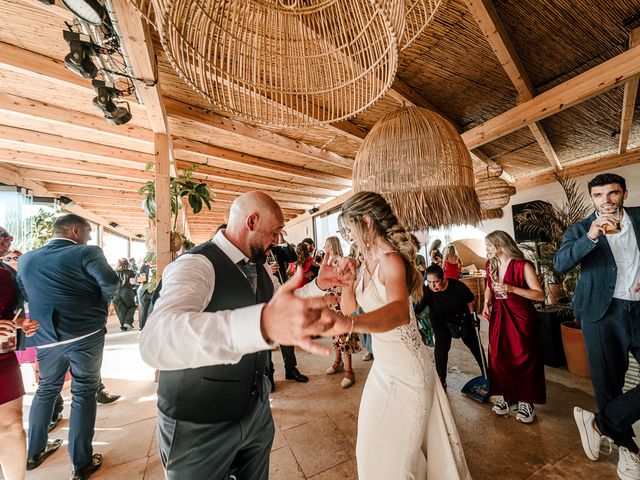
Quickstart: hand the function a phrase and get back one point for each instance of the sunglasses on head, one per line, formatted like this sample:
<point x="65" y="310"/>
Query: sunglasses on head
<point x="11" y="259"/>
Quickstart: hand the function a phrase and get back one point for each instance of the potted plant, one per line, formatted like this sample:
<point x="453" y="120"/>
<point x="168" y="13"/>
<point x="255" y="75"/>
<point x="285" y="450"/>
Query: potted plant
<point x="198" y="195"/>
<point x="553" y="220"/>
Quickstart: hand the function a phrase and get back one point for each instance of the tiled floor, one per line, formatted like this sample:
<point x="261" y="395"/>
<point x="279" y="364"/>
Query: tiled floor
<point x="316" y="425"/>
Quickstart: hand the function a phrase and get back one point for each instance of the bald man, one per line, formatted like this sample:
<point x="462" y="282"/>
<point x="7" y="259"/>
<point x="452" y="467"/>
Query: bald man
<point x="215" y="319"/>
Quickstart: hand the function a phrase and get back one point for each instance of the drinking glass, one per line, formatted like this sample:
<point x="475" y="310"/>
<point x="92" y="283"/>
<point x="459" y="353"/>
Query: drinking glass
<point x="498" y="291"/>
<point x="611" y="229"/>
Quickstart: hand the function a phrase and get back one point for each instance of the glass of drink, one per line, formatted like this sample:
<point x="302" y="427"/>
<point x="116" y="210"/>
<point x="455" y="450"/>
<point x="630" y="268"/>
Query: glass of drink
<point x="498" y="291"/>
<point x="614" y="214"/>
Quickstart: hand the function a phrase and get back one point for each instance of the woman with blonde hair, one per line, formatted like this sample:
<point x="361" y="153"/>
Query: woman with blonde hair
<point x="516" y="369"/>
<point x="451" y="263"/>
<point x="403" y="400"/>
<point x="435" y="256"/>
<point x="341" y="343"/>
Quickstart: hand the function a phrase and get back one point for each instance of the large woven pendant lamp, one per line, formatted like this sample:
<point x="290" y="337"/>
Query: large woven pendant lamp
<point x="417" y="160"/>
<point x="283" y="62"/>
<point x="494" y="194"/>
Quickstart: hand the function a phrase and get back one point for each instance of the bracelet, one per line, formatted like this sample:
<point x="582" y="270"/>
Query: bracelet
<point x="353" y="321"/>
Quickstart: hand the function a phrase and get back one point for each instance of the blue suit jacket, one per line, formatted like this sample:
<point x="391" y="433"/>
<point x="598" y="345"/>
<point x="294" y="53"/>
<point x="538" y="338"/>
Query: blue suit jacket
<point x="68" y="287"/>
<point x="598" y="267"/>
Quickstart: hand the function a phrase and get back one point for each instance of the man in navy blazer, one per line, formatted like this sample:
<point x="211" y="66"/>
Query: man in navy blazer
<point x="68" y="285"/>
<point x="607" y="302"/>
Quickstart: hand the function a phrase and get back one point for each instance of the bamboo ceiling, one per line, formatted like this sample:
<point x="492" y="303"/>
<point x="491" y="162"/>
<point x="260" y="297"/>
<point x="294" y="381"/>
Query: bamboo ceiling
<point x="52" y="139"/>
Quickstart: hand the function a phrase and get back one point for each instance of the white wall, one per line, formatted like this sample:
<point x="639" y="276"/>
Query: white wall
<point x="300" y="231"/>
<point x="553" y="193"/>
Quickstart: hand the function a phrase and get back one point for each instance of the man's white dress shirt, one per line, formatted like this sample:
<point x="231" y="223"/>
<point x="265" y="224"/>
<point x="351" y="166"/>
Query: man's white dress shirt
<point x="179" y="334"/>
<point x="627" y="256"/>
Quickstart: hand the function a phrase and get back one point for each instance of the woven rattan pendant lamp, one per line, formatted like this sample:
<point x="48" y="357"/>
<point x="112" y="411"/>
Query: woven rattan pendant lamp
<point x="283" y="62"/>
<point x="494" y="194"/>
<point x="416" y="159"/>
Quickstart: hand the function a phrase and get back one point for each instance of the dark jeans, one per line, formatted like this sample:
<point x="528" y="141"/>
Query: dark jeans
<point x="214" y="451"/>
<point x="289" y="357"/>
<point x="84" y="359"/>
<point x="608" y="343"/>
<point x="443" y="345"/>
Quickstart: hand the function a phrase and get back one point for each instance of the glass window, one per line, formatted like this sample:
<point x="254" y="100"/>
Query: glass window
<point x="327" y="226"/>
<point x="115" y="247"/>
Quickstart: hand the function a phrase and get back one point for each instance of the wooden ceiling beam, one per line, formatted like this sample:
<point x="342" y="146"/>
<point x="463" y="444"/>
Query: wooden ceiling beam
<point x="207" y="172"/>
<point x="491" y="26"/>
<point x="15" y="177"/>
<point x="89" y="201"/>
<point x="28" y="108"/>
<point x="629" y="99"/>
<point x="210" y="119"/>
<point x="54" y="164"/>
<point x="39" y="142"/>
<point x="97" y="192"/>
<point x="79" y="180"/>
<point x="589" y="165"/>
<point x="595" y="81"/>
<point x="262" y="164"/>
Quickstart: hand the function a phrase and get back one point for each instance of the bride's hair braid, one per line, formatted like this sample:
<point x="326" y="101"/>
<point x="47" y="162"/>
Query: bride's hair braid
<point x="384" y="223"/>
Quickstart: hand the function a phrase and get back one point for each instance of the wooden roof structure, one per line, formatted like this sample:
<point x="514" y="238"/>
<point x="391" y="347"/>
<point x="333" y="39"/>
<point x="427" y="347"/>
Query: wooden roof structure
<point x="532" y="85"/>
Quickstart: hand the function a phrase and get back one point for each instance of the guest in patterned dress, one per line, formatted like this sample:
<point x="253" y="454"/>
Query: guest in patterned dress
<point x="347" y="344"/>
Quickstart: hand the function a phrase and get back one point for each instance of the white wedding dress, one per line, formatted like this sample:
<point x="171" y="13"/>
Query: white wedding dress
<point x="405" y="426"/>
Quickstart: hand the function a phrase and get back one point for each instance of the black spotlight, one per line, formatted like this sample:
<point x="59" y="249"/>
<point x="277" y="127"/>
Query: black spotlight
<point x="79" y="60"/>
<point x="313" y="210"/>
<point x="113" y="224"/>
<point x="115" y="115"/>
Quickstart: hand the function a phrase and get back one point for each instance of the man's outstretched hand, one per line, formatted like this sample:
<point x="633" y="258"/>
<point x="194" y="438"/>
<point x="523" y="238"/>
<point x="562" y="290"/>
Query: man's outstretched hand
<point x="290" y="320"/>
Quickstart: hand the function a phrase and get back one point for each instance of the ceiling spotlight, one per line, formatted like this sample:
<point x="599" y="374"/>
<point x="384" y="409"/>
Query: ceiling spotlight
<point x="88" y="10"/>
<point x="79" y="60"/>
<point x="113" y="224"/>
<point x="115" y="115"/>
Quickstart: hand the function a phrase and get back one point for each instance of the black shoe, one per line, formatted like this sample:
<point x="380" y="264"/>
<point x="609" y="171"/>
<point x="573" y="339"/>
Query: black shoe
<point x="273" y="382"/>
<point x="294" y="374"/>
<point x="124" y="328"/>
<point x="104" y="398"/>
<point x="38" y="458"/>
<point x="85" y="472"/>
<point x="54" y="423"/>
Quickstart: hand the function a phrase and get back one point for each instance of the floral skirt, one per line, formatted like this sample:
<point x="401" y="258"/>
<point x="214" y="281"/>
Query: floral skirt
<point x="352" y="346"/>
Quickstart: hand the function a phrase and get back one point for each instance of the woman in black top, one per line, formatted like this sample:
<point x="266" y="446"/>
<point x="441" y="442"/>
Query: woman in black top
<point x="451" y="306"/>
<point x="125" y="298"/>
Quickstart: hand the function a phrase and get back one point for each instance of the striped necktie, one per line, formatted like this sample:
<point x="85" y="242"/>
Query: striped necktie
<point x="249" y="270"/>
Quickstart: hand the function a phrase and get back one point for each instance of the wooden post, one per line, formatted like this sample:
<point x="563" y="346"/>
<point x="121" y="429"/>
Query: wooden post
<point x="163" y="202"/>
<point x="100" y="235"/>
<point x="128" y="248"/>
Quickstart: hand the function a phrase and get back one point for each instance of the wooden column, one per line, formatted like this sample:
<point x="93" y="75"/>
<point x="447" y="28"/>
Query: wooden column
<point x="163" y="203"/>
<point x="100" y="236"/>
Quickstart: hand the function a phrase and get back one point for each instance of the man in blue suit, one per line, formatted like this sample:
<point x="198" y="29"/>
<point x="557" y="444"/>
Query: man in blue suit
<point x="68" y="285"/>
<point x="607" y="302"/>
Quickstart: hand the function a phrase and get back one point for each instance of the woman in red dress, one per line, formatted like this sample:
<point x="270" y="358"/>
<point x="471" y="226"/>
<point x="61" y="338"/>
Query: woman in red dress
<point x="305" y="261"/>
<point x="516" y="369"/>
<point x="451" y="263"/>
<point x="13" y="453"/>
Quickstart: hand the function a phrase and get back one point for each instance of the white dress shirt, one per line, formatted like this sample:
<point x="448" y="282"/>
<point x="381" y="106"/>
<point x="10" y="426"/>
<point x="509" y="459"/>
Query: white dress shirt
<point x="179" y="334"/>
<point x="627" y="256"/>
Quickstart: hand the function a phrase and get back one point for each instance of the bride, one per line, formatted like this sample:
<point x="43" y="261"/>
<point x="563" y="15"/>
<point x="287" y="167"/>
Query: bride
<point x="405" y="426"/>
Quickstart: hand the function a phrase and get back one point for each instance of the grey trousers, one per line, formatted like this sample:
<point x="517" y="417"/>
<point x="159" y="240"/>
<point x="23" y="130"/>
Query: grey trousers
<point x="219" y="451"/>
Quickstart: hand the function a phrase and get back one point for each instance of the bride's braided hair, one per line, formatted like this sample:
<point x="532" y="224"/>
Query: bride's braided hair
<point x="383" y="223"/>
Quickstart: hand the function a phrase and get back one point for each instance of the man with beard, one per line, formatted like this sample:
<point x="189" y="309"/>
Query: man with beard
<point x="607" y="302"/>
<point x="216" y="317"/>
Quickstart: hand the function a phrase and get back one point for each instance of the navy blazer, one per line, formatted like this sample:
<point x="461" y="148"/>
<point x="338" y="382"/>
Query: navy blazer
<point x="68" y="287"/>
<point x="598" y="273"/>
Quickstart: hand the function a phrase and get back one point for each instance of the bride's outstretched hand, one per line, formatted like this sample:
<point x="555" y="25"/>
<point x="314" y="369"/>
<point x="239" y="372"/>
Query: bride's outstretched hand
<point x="339" y="323"/>
<point x="336" y="272"/>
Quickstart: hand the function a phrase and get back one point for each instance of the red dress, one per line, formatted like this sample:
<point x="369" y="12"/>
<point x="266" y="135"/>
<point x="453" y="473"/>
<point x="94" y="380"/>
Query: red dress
<point x="516" y="369"/>
<point x="451" y="270"/>
<point x="10" y="378"/>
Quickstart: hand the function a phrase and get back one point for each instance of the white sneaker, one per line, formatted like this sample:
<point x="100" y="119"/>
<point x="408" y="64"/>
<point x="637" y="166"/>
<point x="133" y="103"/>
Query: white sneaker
<point x="590" y="438"/>
<point x="525" y="413"/>
<point x="501" y="408"/>
<point x="367" y="356"/>
<point x="628" y="464"/>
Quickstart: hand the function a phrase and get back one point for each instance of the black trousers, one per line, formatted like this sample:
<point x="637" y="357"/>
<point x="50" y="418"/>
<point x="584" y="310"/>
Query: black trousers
<point x="289" y="357"/>
<point x="443" y="337"/>
<point x="608" y="343"/>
